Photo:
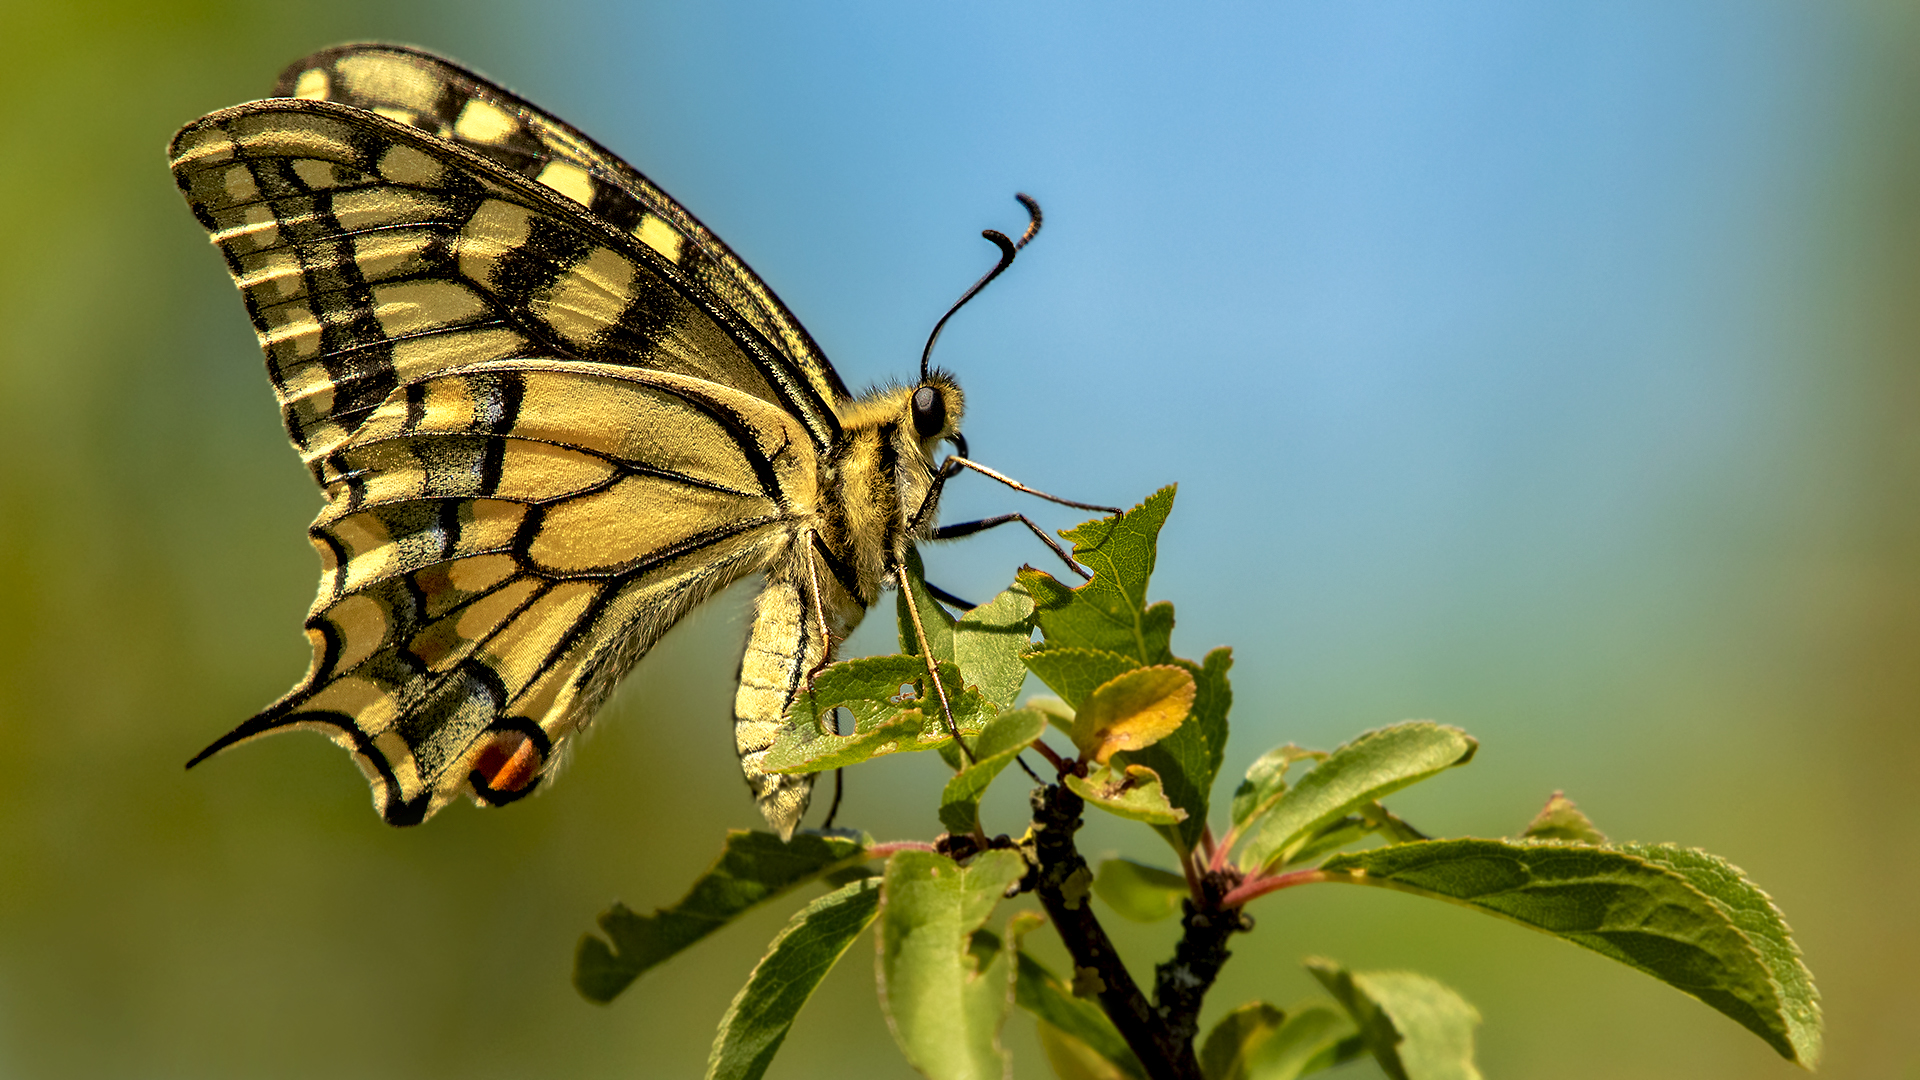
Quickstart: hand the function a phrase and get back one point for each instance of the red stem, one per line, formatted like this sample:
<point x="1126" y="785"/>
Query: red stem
<point x="1256" y="887"/>
<point x="1218" y="862"/>
<point x="1060" y="764"/>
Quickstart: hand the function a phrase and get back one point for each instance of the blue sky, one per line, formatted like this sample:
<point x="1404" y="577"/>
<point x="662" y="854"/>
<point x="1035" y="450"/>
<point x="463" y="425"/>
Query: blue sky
<point x="1452" y="323"/>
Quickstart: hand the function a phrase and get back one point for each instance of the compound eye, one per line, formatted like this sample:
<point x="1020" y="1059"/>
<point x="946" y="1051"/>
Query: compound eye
<point x="929" y="412"/>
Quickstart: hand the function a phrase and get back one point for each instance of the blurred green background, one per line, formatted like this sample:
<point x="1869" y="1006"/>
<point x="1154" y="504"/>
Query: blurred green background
<point x="1549" y="370"/>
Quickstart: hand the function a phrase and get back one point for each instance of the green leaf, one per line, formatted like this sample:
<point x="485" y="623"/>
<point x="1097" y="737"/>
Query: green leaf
<point x="1002" y="740"/>
<point x="1373" y="819"/>
<point x="1058" y="713"/>
<point x="1043" y="994"/>
<point x="1135" y="794"/>
<point x="1390" y="825"/>
<point x="1753" y="912"/>
<point x="881" y="693"/>
<point x="1374" y="765"/>
<point x="1417" y="1028"/>
<point x="1188" y="760"/>
<point x="988" y="641"/>
<point x="1561" y="820"/>
<point x="1313" y="1038"/>
<point x="753" y="868"/>
<point x="937" y="623"/>
<point x="1259" y="1042"/>
<point x="1137" y="891"/>
<point x="1266" y="781"/>
<point x="1048" y="592"/>
<point x="1072" y="1059"/>
<point x="1688" y="919"/>
<point x="1075" y="673"/>
<point x="798" y="958"/>
<point x="1110" y="612"/>
<point x="1132" y="712"/>
<point x="1332" y="837"/>
<point x="1223" y="1056"/>
<point x="946" y="984"/>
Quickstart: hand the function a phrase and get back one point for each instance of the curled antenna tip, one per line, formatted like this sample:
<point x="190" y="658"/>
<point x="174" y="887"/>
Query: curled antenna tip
<point x="1006" y="246"/>
<point x="1034" y="218"/>
<point x="1007" y="250"/>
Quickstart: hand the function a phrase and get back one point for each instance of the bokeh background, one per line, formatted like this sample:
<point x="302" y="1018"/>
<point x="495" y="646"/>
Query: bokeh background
<point x="1548" y="370"/>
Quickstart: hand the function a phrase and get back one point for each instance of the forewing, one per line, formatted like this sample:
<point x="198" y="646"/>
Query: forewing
<point x="371" y="255"/>
<point x="437" y="95"/>
<point x="502" y="542"/>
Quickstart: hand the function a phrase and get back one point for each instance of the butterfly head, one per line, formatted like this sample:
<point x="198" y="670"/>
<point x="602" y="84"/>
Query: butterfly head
<point x="935" y="407"/>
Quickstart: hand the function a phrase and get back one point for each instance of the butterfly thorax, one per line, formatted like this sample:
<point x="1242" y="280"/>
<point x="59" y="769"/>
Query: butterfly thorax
<point x="877" y="482"/>
<point x="876" y="496"/>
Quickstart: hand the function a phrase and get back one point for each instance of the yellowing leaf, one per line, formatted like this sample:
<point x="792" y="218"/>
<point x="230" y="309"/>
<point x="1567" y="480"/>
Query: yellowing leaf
<point x="1135" y="794"/>
<point x="1132" y="711"/>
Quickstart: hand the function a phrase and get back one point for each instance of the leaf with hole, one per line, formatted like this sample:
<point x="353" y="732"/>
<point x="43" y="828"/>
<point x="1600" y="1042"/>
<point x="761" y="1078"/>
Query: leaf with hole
<point x="890" y="715"/>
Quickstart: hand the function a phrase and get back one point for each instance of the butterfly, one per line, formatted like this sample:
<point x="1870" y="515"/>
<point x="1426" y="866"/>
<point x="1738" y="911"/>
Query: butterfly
<point x="550" y="413"/>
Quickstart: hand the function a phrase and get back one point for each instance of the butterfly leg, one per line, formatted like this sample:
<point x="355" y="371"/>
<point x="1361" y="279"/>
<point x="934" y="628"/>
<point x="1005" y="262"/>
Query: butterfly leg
<point x="960" y="460"/>
<point x="826" y="658"/>
<point x="948" y="598"/>
<point x="933" y="670"/>
<point x="819" y="613"/>
<point x="968" y="528"/>
<point x="839" y="788"/>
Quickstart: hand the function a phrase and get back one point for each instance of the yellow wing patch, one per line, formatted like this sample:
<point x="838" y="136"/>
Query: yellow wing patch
<point x="438" y="96"/>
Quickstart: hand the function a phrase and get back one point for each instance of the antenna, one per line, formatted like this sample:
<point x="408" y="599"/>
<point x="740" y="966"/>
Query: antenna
<point x="1008" y="249"/>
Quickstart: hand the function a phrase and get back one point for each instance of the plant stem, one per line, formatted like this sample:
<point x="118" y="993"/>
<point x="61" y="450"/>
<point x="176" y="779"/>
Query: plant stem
<point x="1065" y="888"/>
<point x="1256" y="887"/>
<point x="1180" y="985"/>
<point x="881" y="851"/>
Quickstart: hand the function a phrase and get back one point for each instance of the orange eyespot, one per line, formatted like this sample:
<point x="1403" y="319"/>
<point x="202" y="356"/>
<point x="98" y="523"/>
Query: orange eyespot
<point x="508" y="763"/>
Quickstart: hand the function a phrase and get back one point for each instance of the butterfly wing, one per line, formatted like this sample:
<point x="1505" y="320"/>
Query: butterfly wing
<point x="436" y="95"/>
<point x="539" y="441"/>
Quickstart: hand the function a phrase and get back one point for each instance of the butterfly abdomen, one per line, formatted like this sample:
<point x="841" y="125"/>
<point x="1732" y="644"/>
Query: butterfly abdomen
<point x="796" y="631"/>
